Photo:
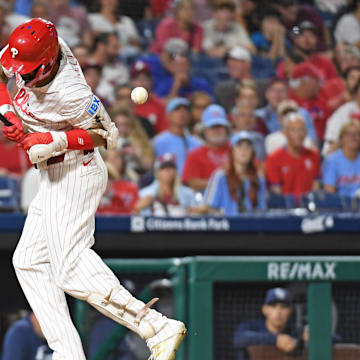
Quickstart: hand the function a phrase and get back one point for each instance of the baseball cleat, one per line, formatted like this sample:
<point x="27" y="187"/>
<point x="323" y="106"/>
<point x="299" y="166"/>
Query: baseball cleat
<point x="175" y="332"/>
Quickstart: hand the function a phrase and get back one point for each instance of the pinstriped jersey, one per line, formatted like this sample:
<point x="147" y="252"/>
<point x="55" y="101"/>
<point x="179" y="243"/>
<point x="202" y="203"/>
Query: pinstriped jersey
<point x="65" y="103"/>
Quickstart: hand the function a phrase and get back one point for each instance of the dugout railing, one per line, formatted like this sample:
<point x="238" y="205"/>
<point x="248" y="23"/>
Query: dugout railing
<point x="214" y="294"/>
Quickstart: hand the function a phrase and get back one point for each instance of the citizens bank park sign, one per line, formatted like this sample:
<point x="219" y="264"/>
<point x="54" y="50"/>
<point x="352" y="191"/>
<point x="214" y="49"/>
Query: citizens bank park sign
<point x="142" y="224"/>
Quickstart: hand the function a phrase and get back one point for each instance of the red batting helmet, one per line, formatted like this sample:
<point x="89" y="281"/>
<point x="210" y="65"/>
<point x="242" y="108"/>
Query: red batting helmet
<point x="32" y="50"/>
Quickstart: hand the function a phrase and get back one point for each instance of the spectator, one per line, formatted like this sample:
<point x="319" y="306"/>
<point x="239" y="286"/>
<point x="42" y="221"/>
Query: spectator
<point x="133" y="141"/>
<point x="337" y="91"/>
<point x="346" y="56"/>
<point x="180" y="26"/>
<point x="246" y="93"/>
<point x="293" y="14"/>
<point x="202" y="161"/>
<point x="92" y="74"/>
<point x="277" y="139"/>
<point x="109" y="20"/>
<point x="121" y="194"/>
<point x="40" y="9"/>
<point x="304" y="48"/>
<point x="153" y="109"/>
<point x="240" y="187"/>
<point x="276" y="92"/>
<point x="346" y="112"/>
<point x="82" y="53"/>
<point x="13" y="18"/>
<point x="248" y="15"/>
<point x="293" y="169"/>
<point x="305" y="90"/>
<point x="202" y="10"/>
<point x="4" y="26"/>
<point x="222" y="33"/>
<point x="341" y="169"/>
<point x="24" y="340"/>
<point x="199" y="101"/>
<point x="271" y="41"/>
<point x="71" y="22"/>
<point x="172" y="75"/>
<point x="106" y="53"/>
<point x="238" y="63"/>
<point x="273" y="330"/>
<point x="123" y="100"/>
<point x="176" y="140"/>
<point x="166" y="196"/>
<point x="244" y="119"/>
<point x="348" y="27"/>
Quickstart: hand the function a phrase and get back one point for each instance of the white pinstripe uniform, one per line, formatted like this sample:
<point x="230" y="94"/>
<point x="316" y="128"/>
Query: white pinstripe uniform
<point x="54" y="253"/>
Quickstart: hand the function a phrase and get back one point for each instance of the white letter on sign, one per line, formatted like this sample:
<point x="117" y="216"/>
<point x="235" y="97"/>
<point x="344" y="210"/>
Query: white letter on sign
<point x="273" y="271"/>
<point x="330" y="271"/>
<point x="284" y="270"/>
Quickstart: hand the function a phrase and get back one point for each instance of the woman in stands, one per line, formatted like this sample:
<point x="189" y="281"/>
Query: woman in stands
<point x="341" y="169"/>
<point x="241" y="187"/>
<point x="165" y="196"/>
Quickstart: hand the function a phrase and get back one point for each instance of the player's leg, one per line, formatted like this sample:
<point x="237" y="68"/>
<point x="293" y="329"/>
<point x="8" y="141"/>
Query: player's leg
<point x="33" y="270"/>
<point x="73" y="195"/>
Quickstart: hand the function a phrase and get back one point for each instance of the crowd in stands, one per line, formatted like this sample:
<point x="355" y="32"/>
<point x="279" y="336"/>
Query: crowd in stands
<point x="249" y="99"/>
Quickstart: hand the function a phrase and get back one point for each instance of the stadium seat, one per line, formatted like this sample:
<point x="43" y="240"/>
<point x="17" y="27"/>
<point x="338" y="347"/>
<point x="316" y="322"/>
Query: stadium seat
<point x="9" y="194"/>
<point x="322" y="200"/>
<point x="276" y="201"/>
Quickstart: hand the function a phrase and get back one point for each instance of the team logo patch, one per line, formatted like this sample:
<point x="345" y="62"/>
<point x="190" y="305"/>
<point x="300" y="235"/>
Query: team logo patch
<point x="14" y="52"/>
<point x="94" y="106"/>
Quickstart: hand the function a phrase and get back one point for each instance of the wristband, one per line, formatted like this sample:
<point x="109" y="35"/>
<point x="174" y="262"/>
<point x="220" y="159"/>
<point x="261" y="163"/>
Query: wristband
<point x="79" y="139"/>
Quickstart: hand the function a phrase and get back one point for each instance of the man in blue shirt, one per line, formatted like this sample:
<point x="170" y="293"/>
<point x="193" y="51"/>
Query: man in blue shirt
<point x="272" y="330"/>
<point x="24" y="341"/>
<point x="176" y="140"/>
<point x="171" y="72"/>
<point x="276" y="92"/>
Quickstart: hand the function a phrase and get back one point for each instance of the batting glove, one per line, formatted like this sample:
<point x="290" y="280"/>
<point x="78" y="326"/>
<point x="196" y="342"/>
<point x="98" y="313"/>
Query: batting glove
<point x="16" y="131"/>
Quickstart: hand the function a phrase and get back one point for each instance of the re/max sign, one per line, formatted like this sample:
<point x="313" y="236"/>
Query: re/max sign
<point x="301" y="271"/>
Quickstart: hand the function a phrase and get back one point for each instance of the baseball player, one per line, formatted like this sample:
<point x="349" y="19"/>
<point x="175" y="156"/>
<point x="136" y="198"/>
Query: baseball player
<point x="61" y="124"/>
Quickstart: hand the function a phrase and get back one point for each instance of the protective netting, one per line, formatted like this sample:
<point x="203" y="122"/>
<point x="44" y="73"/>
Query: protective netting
<point x="241" y="303"/>
<point x="346" y="301"/>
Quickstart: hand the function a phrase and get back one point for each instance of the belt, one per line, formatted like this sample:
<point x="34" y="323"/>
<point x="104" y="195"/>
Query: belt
<point x="60" y="158"/>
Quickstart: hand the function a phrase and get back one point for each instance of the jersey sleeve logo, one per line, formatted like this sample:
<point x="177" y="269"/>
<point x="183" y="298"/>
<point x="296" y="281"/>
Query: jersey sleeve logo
<point x="94" y="106"/>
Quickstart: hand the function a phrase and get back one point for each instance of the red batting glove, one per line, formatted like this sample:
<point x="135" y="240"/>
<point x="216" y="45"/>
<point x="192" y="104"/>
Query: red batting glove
<point x="14" y="132"/>
<point x="35" y="139"/>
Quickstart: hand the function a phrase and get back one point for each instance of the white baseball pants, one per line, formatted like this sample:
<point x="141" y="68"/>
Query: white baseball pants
<point x="54" y="253"/>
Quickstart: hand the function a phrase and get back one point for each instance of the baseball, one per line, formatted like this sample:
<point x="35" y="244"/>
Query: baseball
<point x="139" y="95"/>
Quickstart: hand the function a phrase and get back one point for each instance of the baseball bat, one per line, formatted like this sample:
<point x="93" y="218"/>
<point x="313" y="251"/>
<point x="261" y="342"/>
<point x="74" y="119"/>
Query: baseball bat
<point x="5" y="121"/>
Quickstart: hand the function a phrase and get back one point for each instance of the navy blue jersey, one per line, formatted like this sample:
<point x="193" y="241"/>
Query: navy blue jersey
<point x="253" y="333"/>
<point x="22" y="343"/>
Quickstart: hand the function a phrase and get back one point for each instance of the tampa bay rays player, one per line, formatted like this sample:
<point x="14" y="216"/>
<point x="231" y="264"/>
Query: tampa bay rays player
<point x="60" y="123"/>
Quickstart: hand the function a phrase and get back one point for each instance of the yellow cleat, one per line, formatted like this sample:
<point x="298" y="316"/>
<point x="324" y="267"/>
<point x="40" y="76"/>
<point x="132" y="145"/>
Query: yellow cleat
<point x="166" y="350"/>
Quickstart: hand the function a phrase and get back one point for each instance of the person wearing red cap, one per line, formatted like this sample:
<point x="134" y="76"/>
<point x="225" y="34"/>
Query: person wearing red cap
<point x="153" y="109"/>
<point x="305" y="91"/>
